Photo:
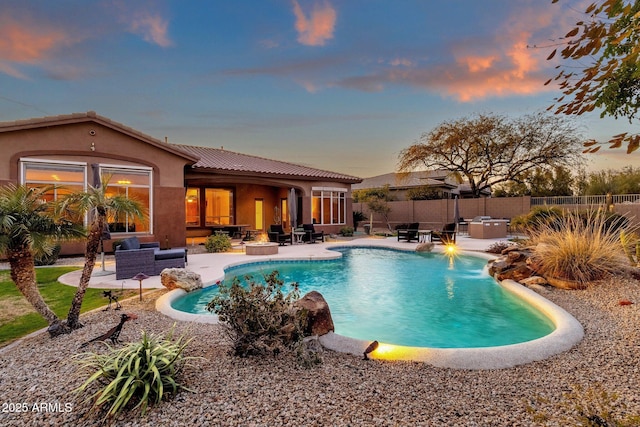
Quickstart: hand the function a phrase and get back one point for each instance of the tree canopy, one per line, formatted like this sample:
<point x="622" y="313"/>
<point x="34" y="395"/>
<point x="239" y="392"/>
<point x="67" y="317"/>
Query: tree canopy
<point x="490" y="149"/>
<point x="603" y="71"/>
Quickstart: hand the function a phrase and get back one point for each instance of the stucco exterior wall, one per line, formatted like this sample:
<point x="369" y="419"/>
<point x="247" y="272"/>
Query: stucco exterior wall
<point x="92" y="142"/>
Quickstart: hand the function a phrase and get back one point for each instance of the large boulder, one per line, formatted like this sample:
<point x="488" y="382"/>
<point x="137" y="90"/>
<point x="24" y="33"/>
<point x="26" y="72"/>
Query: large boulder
<point x="179" y="278"/>
<point x="425" y="247"/>
<point x="513" y="264"/>
<point x="319" y="321"/>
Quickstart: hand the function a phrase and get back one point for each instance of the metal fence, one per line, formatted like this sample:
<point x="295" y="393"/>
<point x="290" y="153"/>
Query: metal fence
<point x="585" y="200"/>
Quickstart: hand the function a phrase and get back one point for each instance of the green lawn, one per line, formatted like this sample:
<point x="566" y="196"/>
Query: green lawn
<point x="17" y="317"/>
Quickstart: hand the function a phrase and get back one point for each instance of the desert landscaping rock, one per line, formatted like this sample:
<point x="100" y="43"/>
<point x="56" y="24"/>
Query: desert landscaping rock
<point x="180" y="278"/>
<point x="344" y="390"/>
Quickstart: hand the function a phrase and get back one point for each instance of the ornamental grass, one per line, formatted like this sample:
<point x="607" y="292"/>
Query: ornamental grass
<point x="582" y="248"/>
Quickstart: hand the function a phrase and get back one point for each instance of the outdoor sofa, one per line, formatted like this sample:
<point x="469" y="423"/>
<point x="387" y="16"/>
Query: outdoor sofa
<point x="133" y="257"/>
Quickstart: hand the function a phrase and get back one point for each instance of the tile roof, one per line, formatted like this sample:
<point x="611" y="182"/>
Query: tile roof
<point x="229" y="161"/>
<point x="408" y="180"/>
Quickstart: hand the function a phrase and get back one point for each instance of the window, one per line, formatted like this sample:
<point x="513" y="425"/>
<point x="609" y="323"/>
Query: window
<point x="192" y="206"/>
<point x="328" y="206"/>
<point x="68" y="177"/>
<point x="219" y="203"/>
<point x="134" y="183"/>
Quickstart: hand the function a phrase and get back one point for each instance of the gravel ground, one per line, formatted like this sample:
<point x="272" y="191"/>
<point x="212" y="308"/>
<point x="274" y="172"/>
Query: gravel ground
<point x="345" y="390"/>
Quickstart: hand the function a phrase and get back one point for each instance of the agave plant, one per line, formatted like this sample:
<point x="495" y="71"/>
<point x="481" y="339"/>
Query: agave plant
<point x="144" y="372"/>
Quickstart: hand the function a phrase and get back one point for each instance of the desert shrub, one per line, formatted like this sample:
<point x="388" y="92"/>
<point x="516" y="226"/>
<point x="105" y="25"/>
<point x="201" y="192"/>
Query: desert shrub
<point x="539" y="216"/>
<point x="498" y="247"/>
<point x="48" y="258"/>
<point x="590" y="407"/>
<point x="259" y="318"/>
<point x="218" y="243"/>
<point x="577" y="250"/>
<point x="135" y="376"/>
<point x="347" y="231"/>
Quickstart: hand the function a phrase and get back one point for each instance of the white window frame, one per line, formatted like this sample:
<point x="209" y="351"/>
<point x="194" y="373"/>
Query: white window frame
<point x="332" y="193"/>
<point x="105" y="167"/>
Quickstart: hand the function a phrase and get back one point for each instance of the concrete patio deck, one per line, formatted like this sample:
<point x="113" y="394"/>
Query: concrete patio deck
<point x="210" y="266"/>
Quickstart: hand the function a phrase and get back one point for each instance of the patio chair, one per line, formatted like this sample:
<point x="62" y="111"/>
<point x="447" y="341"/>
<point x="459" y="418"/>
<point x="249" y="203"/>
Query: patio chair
<point x="277" y="235"/>
<point x="409" y="233"/>
<point x="312" y="235"/>
<point x="447" y="235"/>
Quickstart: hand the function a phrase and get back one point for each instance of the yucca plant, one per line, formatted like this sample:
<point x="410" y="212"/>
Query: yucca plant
<point x="579" y="248"/>
<point x="142" y="372"/>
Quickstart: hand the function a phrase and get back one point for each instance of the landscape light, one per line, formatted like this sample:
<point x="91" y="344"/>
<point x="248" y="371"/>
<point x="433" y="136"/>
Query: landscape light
<point x="370" y="348"/>
<point x="140" y="277"/>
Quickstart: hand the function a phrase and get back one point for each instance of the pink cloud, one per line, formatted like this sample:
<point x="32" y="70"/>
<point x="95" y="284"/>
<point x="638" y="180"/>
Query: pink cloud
<point x="152" y="28"/>
<point x="20" y="42"/>
<point x="497" y="66"/>
<point x="24" y="41"/>
<point x="318" y="27"/>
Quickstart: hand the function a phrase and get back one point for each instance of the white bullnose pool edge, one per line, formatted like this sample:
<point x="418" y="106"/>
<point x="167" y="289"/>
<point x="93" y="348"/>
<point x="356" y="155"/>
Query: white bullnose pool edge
<point x="567" y="334"/>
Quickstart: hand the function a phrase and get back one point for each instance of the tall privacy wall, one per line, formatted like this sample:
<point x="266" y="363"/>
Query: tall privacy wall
<point x="433" y="214"/>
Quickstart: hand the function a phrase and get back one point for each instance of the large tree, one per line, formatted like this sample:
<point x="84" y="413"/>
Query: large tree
<point x="490" y="149"/>
<point x="99" y="204"/>
<point x="603" y="69"/>
<point x="30" y="224"/>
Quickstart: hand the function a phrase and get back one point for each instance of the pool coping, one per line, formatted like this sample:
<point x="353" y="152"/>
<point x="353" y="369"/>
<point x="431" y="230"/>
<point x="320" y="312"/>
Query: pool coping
<point x="567" y="334"/>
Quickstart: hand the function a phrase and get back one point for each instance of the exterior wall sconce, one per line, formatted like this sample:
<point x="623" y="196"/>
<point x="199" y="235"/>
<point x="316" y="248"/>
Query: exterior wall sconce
<point x="93" y="146"/>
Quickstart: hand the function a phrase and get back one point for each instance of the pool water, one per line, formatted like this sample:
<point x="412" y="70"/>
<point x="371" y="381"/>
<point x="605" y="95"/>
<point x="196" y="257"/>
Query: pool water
<point x="404" y="298"/>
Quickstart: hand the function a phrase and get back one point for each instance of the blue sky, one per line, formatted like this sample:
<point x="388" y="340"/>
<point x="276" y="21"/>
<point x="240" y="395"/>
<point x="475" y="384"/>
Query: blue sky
<point x="342" y="85"/>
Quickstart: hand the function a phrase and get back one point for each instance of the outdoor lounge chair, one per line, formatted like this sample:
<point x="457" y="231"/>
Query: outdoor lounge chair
<point x="277" y="235"/>
<point x="312" y="235"/>
<point x="446" y="235"/>
<point x="133" y="257"/>
<point x="409" y="233"/>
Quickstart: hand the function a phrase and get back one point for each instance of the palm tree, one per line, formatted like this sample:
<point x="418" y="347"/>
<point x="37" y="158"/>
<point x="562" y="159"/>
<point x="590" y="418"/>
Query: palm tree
<point x="99" y="204"/>
<point x="28" y="225"/>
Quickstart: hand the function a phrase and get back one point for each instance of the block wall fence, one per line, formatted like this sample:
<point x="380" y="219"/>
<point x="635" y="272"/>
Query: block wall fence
<point x="433" y="214"/>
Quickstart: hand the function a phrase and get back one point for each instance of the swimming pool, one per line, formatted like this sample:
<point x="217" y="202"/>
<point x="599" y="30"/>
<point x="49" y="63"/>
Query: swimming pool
<point x="404" y="298"/>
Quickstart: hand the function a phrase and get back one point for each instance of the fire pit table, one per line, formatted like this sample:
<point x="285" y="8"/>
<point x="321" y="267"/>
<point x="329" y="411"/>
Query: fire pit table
<point x="261" y="248"/>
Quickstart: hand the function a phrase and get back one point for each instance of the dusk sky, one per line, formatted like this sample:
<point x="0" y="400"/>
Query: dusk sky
<point x="342" y="85"/>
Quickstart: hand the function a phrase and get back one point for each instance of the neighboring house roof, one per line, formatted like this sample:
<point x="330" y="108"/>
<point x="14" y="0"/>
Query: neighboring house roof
<point x="235" y="163"/>
<point x="400" y="181"/>
<point x="90" y="116"/>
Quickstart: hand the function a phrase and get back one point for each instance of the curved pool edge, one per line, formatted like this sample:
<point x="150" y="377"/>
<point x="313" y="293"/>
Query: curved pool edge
<point x="163" y="305"/>
<point x="567" y="334"/>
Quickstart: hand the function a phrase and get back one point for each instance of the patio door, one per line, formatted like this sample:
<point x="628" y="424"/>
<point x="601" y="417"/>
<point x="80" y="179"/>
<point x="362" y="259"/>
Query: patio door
<point x="259" y="209"/>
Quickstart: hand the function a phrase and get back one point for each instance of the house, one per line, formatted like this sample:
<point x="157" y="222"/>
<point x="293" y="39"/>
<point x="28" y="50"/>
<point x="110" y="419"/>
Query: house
<point x="188" y="190"/>
<point x="440" y="183"/>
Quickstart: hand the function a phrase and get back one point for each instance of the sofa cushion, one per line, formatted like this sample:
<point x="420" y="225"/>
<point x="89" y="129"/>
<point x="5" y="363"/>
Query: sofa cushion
<point x="169" y="253"/>
<point x="130" y="243"/>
